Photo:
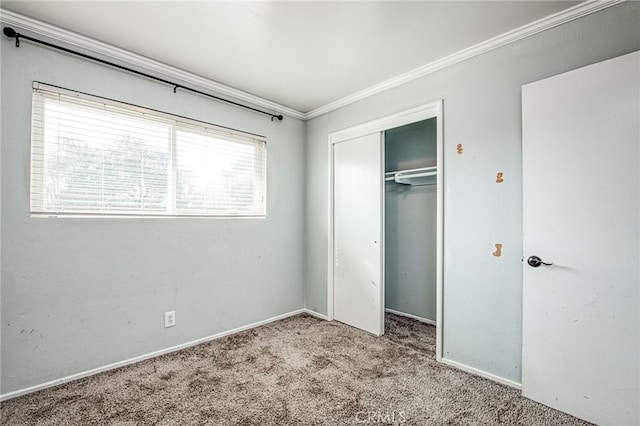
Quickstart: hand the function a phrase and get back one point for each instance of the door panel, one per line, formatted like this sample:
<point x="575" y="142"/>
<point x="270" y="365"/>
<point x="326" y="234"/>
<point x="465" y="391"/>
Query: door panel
<point x="581" y="198"/>
<point x="358" y="230"/>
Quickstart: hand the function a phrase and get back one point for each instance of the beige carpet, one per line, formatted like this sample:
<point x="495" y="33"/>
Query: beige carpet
<point x="298" y="371"/>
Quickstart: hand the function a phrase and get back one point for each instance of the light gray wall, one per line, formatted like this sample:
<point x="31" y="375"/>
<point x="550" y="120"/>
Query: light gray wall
<point x="410" y="223"/>
<point x="83" y="293"/>
<point x="483" y="293"/>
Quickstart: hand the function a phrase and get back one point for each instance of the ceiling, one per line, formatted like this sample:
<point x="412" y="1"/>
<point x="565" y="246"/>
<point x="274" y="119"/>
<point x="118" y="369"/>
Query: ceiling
<point x="303" y="54"/>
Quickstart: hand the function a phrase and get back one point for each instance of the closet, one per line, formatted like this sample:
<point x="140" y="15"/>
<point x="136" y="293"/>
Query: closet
<point x="410" y="220"/>
<point x="385" y="221"/>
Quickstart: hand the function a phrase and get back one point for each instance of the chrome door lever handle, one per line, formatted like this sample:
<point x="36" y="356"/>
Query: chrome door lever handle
<point x="535" y="261"/>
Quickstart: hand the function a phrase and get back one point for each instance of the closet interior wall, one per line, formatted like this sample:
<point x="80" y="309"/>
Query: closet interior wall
<point x="410" y="223"/>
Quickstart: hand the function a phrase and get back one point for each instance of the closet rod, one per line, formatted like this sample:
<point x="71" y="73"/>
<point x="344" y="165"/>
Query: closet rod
<point x="11" y="33"/>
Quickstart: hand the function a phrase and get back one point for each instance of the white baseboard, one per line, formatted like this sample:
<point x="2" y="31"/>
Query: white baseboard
<point x="136" y="359"/>
<point x="415" y="317"/>
<point x="482" y="373"/>
<point x="315" y="314"/>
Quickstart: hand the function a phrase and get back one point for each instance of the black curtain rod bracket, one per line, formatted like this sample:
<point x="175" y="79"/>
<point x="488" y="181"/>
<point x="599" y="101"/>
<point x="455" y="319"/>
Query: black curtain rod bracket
<point x="11" y="33"/>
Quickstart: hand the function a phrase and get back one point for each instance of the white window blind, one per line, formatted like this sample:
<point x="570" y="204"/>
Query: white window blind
<point x="94" y="157"/>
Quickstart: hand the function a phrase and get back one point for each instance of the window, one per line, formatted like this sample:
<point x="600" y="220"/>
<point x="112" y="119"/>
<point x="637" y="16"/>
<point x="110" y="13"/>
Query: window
<point x="95" y="157"/>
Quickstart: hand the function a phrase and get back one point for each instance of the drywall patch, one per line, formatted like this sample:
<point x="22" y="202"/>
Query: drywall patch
<point x="459" y="148"/>
<point x="499" y="178"/>
<point x="498" y="251"/>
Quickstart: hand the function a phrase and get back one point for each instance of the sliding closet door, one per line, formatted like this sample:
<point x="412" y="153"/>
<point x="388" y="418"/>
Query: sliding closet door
<point x="358" y="229"/>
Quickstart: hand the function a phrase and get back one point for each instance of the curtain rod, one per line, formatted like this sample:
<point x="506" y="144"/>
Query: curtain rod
<point x="11" y="33"/>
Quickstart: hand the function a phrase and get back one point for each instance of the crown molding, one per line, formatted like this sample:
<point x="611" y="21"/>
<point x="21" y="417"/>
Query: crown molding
<point x="71" y="38"/>
<point x="527" y="30"/>
<point x="86" y="43"/>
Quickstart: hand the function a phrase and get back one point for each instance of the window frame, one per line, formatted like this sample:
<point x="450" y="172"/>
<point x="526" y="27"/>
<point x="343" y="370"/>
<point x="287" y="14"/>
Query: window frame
<point x="175" y="123"/>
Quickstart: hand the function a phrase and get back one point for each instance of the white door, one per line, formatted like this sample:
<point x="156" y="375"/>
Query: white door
<point x="357" y="233"/>
<point x="581" y="324"/>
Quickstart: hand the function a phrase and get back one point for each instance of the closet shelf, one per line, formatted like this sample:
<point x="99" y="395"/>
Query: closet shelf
<point x="421" y="176"/>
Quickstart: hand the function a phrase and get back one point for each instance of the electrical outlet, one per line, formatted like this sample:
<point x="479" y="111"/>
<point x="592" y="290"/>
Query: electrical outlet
<point x="169" y="319"/>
